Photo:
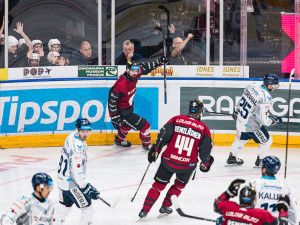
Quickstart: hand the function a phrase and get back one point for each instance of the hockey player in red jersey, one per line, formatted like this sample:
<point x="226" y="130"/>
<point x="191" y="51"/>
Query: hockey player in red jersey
<point x="245" y="214"/>
<point x="120" y="103"/>
<point x="186" y="137"/>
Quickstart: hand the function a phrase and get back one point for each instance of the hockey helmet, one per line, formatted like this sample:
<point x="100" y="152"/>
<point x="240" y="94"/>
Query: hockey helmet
<point x="56" y="54"/>
<point x="196" y="107"/>
<point x="272" y="164"/>
<point x="12" y="41"/>
<point x="83" y="124"/>
<point x="20" y="42"/>
<point x="53" y="42"/>
<point x="41" y="179"/>
<point x="271" y="78"/>
<point x="34" y="42"/>
<point x="247" y="195"/>
<point x="132" y="66"/>
<point x="34" y="56"/>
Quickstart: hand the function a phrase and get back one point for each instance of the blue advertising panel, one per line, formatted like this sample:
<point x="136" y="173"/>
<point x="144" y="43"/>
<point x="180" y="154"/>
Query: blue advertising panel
<point x="48" y="110"/>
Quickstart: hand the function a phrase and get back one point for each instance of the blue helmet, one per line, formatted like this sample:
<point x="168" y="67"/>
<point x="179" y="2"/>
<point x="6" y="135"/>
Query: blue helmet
<point x="247" y="195"/>
<point x="83" y="124"/>
<point x="41" y="178"/>
<point x="271" y="78"/>
<point x="272" y="164"/>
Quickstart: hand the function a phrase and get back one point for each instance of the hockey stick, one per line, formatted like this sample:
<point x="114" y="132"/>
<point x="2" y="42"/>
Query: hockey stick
<point x="175" y="203"/>
<point x="163" y="134"/>
<point x="287" y="130"/>
<point x="227" y="114"/>
<point x="165" y="48"/>
<point x="116" y="201"/>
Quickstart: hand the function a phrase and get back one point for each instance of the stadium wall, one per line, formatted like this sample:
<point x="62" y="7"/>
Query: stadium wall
<point x="42" y="112"/>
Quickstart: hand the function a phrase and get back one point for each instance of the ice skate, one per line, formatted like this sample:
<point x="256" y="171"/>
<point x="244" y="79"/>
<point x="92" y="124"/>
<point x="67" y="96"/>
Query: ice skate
<point x="143" y="213"/>
<point x="122" y="144"/>
<point x="164" y="211"/>
<point x="234" y="161"/>
<point x="258" y="163"/>
<point x="145" y="148"/>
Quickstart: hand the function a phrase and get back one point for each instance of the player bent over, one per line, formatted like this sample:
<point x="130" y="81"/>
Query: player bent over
<point x="186" y="138"/>
<point x="120" y="103"/>
<point x="34" y="209"/>
<point x="244" y="213"/>
<point x="72" y="183"/>
<point x="252" y="115"/>
<point x="268" y="189"/>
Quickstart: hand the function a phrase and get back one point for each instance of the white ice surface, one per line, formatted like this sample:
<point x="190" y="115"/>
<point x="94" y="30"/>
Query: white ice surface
<point x="117" y="172"/>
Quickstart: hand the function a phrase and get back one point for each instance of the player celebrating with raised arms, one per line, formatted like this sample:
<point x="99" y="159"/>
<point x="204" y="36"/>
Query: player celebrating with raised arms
<point x="72" y="183"/>
<point x="244" y="213"/>
<point x="35" y="209"/>
<point x="268" y="189"/>
<point x="120" y="103"/>
<point x="252" y="115"/>
<point x="186" y="138"/>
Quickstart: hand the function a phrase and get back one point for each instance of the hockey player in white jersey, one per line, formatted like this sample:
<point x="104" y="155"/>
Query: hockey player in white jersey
<point x="35" y="209"/>
<point x="268" y="189"/>
<point x="252" y="115"/>
<point x="72" y="183"/>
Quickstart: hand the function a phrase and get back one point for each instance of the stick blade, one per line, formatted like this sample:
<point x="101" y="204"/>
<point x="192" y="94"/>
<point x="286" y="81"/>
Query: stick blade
<point x="292" y="72"/>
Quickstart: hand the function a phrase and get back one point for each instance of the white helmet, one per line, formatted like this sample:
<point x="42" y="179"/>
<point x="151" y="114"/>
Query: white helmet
<point x="21" y="41"/>
<point x="12" y="41"/>
<point x="34" y="42"/>
<point x="34" y="56"/>
<point x="55" y="54"/>
<point x="53" y="42"/>
<point x="2" y="36"/>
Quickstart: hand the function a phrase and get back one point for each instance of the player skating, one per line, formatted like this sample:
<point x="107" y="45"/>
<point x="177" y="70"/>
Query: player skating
<point x="268" y="189"/>
<point x="35" y="209"/>
<point x="244" y="213"/>
<point x="72" y="183"/>
<point x="252" y="115"/>
<point x="120" y="103"/>
<point x="186" y="138"/>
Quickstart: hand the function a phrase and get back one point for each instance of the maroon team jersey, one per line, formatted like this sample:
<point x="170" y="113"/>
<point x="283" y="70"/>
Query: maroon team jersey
<point x="233" y="214"/>
<point x="126" y="89"/>
<point x="190" y="137"/>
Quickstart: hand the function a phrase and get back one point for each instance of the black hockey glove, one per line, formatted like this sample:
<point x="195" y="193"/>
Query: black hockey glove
<point x="116" y="120"/>
<point x="90" y="191"/>
<point x="206" y="167"/>
<point x="152" y="155"/>
<point x="283" y="203"/>
<point x="234" y="187"/>
<point x="234" y="115"/>
<point x="275" y="119"/>
<point x="162" y="60"/>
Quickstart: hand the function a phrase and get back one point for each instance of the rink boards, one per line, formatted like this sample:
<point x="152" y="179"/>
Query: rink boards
<point x="43" y="113"/>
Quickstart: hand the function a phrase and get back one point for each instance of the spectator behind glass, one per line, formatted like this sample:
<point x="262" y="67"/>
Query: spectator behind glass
<point x="37" y="47"/>
<point x="54" y="45"/>
<point x="34" y="60"/>
<point x="55" y="59"/>
<point x="128" y="54"/>
<point x="177" y="56"/>
<point x="85" y="56"/>
<point x="17" y="56"/>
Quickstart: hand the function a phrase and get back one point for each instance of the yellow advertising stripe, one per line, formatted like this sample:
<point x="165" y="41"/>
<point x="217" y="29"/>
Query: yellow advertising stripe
<point x="3" y="74"/>
<point x="49" y="140"/>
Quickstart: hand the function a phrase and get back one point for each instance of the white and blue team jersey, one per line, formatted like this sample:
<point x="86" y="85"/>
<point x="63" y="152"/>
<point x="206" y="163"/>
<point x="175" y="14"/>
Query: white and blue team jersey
<point x="268" y="189"/>
<point x="29" y="211"/>
<point x="72" y="164"/>
<point x="253" y="108"/>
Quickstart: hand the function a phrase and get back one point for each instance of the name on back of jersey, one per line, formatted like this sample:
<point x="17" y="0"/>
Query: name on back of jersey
<point x="241" y="216"/>
<point x="250" y="97"/>
<point x="268" y="195"/>
<point x="188" y="131"/>
<point x="189" y="122"/>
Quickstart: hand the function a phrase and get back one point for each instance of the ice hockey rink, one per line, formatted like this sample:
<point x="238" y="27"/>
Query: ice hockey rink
<point x="117" y="173"/>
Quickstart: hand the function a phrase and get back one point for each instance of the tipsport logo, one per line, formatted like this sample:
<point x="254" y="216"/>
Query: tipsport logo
<point x="17" y="116"/>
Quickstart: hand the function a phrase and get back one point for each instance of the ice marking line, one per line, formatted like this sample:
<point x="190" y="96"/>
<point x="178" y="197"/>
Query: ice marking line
<point x="102" y="156"/>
